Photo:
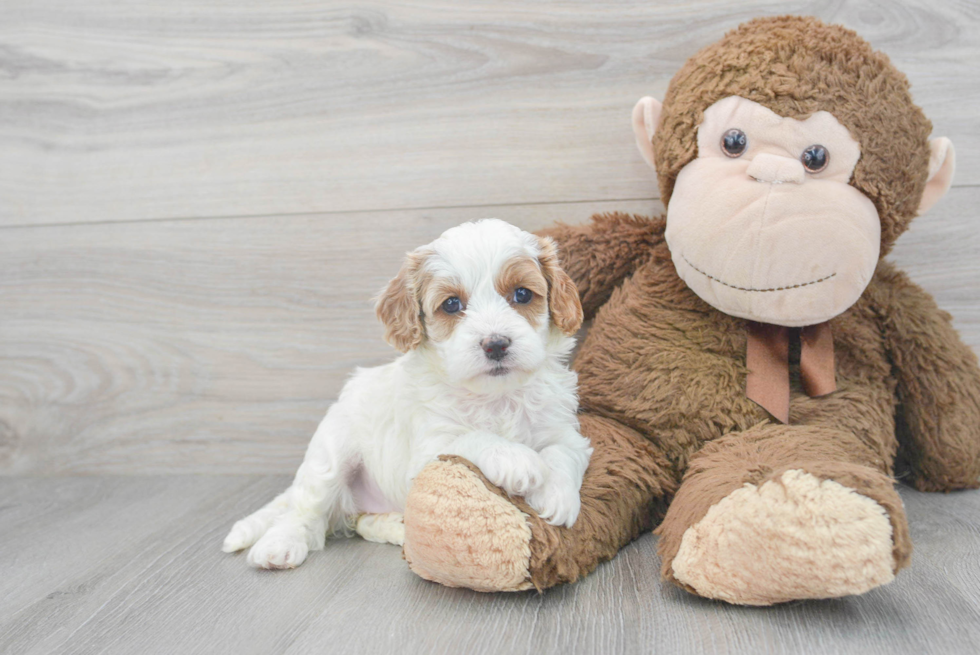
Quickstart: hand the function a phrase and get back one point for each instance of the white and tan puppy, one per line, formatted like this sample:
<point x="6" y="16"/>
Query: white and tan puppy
<point x="485" y="317"/>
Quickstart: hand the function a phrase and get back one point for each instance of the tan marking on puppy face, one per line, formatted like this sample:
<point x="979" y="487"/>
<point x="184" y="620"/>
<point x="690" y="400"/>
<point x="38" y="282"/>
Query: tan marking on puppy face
<point x="523" y="272"/>
<point x="439" y="325"/>
<point x="563" y="300"/>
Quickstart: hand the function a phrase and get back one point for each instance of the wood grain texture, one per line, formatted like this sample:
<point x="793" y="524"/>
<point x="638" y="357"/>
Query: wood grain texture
<point x="127" y="111"/>
<point x="133" y="565"/>
<point x="141" y="333"/>
<point x="209" y="345"/>
<point x="215" y="346"/>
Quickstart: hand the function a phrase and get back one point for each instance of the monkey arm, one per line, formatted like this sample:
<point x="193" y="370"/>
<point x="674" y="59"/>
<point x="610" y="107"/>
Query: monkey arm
<point x="938" y="413"/>
<point x="602" y="253"/>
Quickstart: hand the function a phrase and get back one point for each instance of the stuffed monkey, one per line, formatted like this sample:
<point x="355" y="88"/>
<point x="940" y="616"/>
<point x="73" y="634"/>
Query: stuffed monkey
<point x="755" y="373"/>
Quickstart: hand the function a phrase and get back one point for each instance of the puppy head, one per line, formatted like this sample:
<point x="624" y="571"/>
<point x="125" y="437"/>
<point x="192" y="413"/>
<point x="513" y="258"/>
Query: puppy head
<point x="487" y="299"/>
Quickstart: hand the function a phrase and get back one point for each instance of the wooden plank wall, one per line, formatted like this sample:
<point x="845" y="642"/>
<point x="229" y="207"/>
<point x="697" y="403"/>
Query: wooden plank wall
<point x="199" y="198"/>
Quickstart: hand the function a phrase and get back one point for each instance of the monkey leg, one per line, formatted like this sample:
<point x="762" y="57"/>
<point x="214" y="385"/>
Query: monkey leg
<point x="462" y="531"/>
<point x="780" y="513"/>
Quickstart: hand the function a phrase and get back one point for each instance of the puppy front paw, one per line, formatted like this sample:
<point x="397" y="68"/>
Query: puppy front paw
<point x="557" y="501"/>
<point x="242" y="535"/>
<point x="515" y="468"/>
<point x="279" y="549"/>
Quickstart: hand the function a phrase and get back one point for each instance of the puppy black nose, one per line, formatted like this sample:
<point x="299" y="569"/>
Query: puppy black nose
<point x="495" y="347"/>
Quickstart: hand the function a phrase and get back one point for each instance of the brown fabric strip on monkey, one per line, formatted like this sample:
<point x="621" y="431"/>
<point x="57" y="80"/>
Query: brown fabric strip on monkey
<point x="767" y="360"/>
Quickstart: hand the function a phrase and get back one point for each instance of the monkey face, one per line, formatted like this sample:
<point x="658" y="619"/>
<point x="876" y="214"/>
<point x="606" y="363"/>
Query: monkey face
<point x="763" y="224"/>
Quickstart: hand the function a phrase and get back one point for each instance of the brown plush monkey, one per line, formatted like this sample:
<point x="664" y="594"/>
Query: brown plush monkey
<point x="790" y="158"/>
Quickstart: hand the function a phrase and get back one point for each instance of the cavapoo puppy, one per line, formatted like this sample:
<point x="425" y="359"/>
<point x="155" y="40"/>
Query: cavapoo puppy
<point x="485" y="317"/>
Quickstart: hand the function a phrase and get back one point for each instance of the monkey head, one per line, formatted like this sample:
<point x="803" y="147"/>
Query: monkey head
<point x="790" y="156"/>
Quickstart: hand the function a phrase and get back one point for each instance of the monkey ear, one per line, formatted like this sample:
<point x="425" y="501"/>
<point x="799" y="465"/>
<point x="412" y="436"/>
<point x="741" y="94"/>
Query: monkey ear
<point x="398" y="306"/>
<point x="646" y="116"/>
<point x="563" y="301"/>
<point x="942" y="165"/>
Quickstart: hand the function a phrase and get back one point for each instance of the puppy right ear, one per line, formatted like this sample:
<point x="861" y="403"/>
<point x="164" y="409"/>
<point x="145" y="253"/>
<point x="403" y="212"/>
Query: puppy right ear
<point x="563" y="299"/>
<point x="398" y="306"/>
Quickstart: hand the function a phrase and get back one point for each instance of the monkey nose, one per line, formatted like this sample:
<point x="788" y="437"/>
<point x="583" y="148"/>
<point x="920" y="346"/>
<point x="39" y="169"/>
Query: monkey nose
<point x="775" y="169"/>
<point x="495" y="347"/>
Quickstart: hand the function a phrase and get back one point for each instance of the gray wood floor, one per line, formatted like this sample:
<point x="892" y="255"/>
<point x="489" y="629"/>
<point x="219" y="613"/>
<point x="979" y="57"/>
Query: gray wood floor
<point x="198" y="199"/>
<point x="133" y="565"/>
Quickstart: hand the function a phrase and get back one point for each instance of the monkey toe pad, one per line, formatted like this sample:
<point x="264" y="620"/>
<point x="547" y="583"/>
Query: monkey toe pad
<point x="791" y="538"/>
<point x="461" y="532"/>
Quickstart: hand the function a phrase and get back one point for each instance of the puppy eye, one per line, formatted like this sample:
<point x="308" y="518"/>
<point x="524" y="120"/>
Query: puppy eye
<point x="734" y="142"/>
<point x="815" y="158"/>
<point x="523" y="296"/>
<point x="452" y="305"/>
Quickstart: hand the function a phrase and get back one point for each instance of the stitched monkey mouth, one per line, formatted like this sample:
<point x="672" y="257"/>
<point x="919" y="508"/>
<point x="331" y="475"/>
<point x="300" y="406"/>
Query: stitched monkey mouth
<point x="750" y="289"/>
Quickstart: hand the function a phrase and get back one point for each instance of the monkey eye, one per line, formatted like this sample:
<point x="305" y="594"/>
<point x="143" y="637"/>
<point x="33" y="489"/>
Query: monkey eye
<point x="452" y="305"/>
<point x="815" y="158"/>
<point x="523" y="296"/>
<point x="734" y="142"/>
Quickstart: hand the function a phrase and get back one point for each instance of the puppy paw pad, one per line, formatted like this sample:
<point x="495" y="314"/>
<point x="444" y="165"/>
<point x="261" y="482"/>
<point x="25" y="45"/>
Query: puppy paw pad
<point x="276" y="552"/>
<point x="558" y="504"/>
<point x="515" y="471"/>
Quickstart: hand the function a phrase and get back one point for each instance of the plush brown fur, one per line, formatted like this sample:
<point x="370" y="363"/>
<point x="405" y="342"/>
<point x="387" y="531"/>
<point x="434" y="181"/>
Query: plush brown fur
<point x="662" y="373"/>
<point x="606" y="257"/>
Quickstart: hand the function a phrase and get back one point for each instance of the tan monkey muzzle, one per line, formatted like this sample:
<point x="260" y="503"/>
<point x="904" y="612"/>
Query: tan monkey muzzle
<point x="757" y="234"/>
<point x="783" y="252"/>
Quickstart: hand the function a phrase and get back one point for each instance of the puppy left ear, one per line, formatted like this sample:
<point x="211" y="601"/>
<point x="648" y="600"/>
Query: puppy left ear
<point x="398" y="306"/>
<point x="563" y="300"/>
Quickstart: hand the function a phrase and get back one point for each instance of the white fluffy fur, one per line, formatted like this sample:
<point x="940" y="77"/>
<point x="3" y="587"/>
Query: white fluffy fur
<point x="520" y="428"/>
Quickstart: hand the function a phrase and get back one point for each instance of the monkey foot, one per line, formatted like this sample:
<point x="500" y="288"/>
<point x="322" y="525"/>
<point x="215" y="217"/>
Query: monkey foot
<point x="791" y="538"/>
<point x="461" y="531"/>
